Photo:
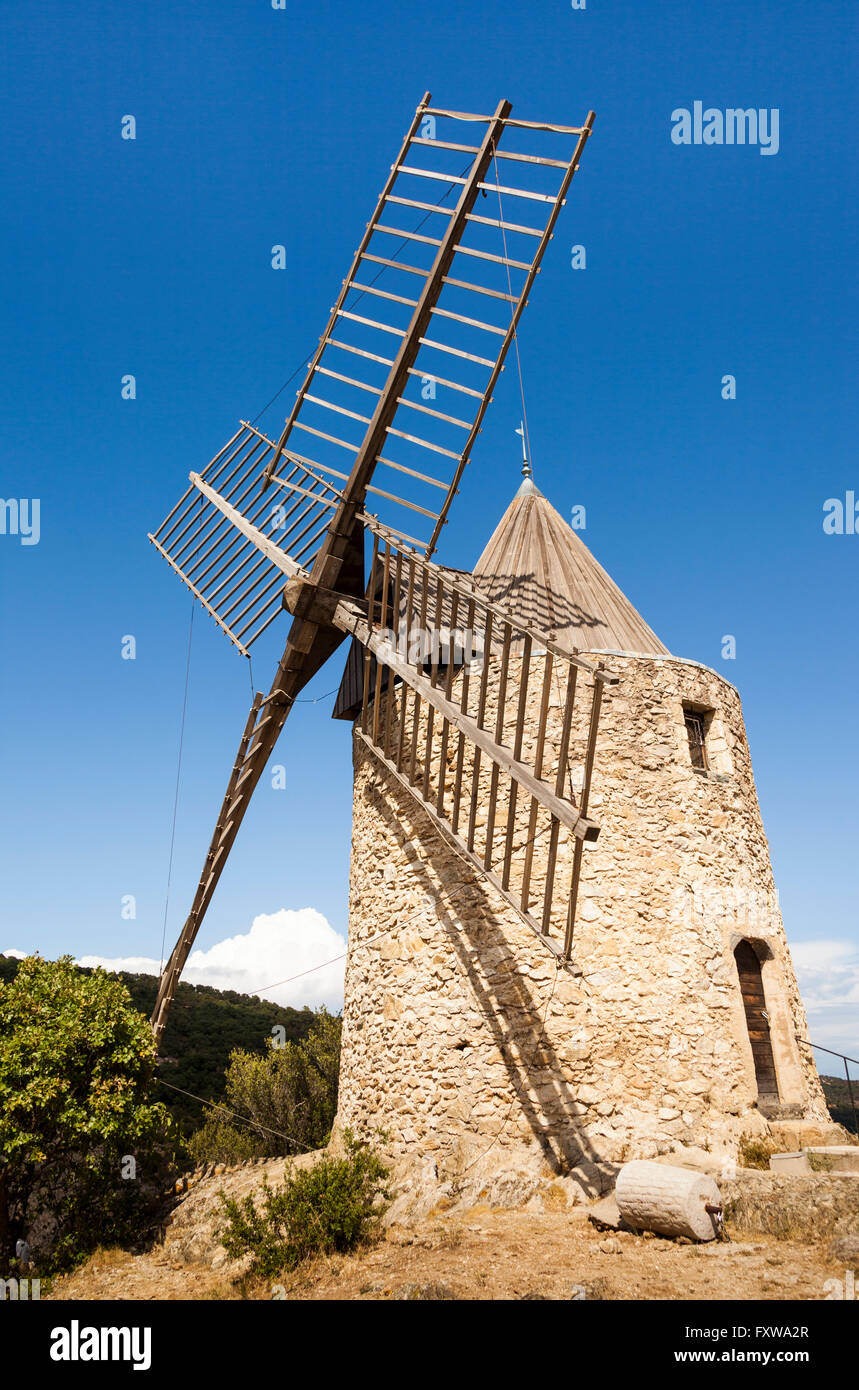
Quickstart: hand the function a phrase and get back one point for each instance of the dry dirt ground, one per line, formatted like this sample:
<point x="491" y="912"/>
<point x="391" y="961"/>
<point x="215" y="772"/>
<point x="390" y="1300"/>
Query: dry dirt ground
<point x="487" y="1253"/>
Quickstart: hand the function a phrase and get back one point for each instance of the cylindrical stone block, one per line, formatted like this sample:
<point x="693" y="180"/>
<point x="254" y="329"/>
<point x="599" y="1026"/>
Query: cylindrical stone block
<point x="671" y="1201"/>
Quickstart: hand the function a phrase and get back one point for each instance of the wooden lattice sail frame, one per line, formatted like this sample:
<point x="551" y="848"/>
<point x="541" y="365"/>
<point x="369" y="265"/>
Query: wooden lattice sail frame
<point x="263" y="510"/>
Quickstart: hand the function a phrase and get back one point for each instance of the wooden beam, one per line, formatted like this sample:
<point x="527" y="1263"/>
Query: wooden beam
<point x="258" y="538"/>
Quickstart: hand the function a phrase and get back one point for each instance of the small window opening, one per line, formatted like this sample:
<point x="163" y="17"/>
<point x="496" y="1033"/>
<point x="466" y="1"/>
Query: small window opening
<point x="696" y="730"/>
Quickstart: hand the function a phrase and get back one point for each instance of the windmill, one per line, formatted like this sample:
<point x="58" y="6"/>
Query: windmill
<point x="287" y="523"/>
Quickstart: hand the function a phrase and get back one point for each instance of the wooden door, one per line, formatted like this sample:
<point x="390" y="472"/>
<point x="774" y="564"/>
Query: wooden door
<point x="754" y="1003"/>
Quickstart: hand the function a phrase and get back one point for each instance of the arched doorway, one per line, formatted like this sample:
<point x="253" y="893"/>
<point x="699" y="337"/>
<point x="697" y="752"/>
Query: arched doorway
<point x="757" y="1023"/>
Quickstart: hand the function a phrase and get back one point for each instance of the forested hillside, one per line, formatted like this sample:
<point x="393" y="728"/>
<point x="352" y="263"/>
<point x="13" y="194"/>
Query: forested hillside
<point x="837" y="1094"/>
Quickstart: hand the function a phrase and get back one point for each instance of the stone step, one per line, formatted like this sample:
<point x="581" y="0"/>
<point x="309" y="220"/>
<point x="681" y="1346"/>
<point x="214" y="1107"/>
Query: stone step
<point x="840" y="1160"/>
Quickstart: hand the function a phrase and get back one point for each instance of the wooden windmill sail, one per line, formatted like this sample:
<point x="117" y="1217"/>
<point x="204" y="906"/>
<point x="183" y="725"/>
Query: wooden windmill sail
<point x="367" y="450"/>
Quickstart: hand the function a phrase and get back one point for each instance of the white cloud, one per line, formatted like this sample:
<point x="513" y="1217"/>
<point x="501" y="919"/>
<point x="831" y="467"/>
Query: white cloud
<point x="16" y="955"/>
<point x="828" y="973"/>
<point x="278" y="946"/>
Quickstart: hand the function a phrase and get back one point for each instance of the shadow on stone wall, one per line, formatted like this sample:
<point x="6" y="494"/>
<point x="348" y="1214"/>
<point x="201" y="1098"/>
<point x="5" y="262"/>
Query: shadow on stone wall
<point x="511" y="1008"/>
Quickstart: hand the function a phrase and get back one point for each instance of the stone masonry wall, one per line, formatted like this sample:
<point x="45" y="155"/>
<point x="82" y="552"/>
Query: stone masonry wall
<point x="467" y="1044"/>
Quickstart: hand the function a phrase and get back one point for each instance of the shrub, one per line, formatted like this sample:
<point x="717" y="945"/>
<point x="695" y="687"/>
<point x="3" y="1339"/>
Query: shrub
<point x="329" y="1208"/>
<point x="755" y="1151"/>
<point x="286" y="1091"/>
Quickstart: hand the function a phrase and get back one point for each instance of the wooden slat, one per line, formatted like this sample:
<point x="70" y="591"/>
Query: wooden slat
<point x="305" y="492"/>
<point x="459" y="115"/>
<point x="380" y="669"/>
<point x="437" y="414"/>
<point x="341" y="410"/>
<point x="538" y="772"/>
<point x="445" y="145"/>
<point x="360" y="352"/>
<point x="441" y="381"/>
<point x="408" y="236"/>
<point x="433" y="674"/>
<point x="471" y="323"/>
<point x="383" y="294"/>
<point x="519" y="193"/>
<point x="371" y="612"/>
<point x="481" y="714"/>
<point x="395" y="265"/>
<point x="457" y="352"/>
<point x="370" y="323"/>
<point x="422" y="207"/>
<point x="559" y="787"/>
<point x="331" y="438"/>
<point x="479" y="289"/>
<point x="487" y="256"/>
<point x="431" y="174"/>
<point x="463" y="706"/>
<point x="505" y="226"/>
<point x="395" y="618"/>
<point x="531" y="159"/>
<point x="416" y="712"/>
<point x="499" y="739"/>
<point x="541" y="125"/>
<point x="409" y="607"/>
<point x="448" y="685"/>
<point x="349" y="380"/>
<point x="584" y="800"/>
<point x="412" y="473"/>
<point x="521" y="712"/>
<point x="423" y="443"/>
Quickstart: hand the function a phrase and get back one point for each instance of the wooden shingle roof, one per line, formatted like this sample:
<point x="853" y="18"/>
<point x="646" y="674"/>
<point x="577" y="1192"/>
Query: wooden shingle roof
<point x="537" y="568"/>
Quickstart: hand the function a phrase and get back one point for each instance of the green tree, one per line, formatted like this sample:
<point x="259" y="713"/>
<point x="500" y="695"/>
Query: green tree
<point x="81" y="1144"/>
<point x="288" y="1092"/>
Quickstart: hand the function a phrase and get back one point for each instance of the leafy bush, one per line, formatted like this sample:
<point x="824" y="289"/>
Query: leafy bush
<point x="327" y="1209"/>
<point x="289" y="1091"/>
<point x="83" y="1150"/>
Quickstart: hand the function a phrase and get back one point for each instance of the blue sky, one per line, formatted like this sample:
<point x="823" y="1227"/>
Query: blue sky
<point x="257" y="127"/>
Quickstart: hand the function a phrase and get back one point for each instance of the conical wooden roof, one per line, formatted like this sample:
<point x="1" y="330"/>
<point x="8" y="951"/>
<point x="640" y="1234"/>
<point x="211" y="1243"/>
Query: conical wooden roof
<point x="537" y="568"/>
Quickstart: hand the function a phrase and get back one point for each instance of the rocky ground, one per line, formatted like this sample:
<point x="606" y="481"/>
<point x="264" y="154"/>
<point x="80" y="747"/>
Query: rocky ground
<point x="492" y="1254"/>
<point x="552" y="1250"/>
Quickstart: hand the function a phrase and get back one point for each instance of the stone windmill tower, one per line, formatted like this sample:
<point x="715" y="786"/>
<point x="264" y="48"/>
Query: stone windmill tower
<point x="563" y="940"/>
<point x="677" y="1020"/>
